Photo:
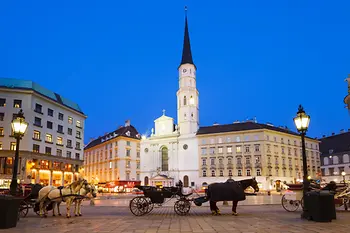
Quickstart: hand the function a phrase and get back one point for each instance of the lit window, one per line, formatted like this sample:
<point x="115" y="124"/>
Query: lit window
<point x="238" y="149"/>
<point x="220" y="150"/>
<point x="110" y="164"/>
<point x="2" y="102"/>
<point x="13" y="146"/>
<point x="191" y="100"/>
<point x="70" y="120"/>
<point x="0" y="145"/>
<point x="78" y="124"/>
<point x="48" y="138"/>
<point x="1" y="131"/>
<point x="59" y="141"/>
<point x="229" y="149"/>
<point x="36" y="135"/>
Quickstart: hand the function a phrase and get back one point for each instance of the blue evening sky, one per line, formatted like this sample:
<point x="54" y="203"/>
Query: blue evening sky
<point x="118" y="59"/>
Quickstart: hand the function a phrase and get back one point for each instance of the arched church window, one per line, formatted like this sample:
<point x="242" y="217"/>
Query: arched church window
<point x="191" y="100"/>
<point x="185" y="100"/>
<point x="186" y="181"/>
<point x="165" y="159"/>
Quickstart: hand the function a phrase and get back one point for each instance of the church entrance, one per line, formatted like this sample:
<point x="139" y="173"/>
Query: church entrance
<point x="162" y="181"/>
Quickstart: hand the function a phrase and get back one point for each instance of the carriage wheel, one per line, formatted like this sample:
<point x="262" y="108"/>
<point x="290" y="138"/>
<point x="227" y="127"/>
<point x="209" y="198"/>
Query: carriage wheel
<point x="139" y="206"/>
<point x="150" y="204"/>
<point x="23" y="209"/>
<point x="182" y="207"/>
<point x="290" y="205"/>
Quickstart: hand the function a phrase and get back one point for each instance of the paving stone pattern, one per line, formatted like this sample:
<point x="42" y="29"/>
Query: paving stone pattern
<point x="259" y="218"/>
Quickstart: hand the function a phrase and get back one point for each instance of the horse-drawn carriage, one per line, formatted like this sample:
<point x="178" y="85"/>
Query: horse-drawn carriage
<point x="227" y="191"/>
<point x="142" y="205"/>
<point x="293" y="198"/>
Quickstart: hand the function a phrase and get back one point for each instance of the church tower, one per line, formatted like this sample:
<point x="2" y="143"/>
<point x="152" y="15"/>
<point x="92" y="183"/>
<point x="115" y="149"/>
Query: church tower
<point x="187" y="95"/>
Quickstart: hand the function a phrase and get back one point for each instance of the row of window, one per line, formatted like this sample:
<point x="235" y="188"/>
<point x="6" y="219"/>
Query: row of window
<point x="38" y="108"/>
<point x="255" y="138"/>
<point x="333" y="171"/>
<point x="49" y="125"/>
<point x="239" y="173"/>
<point x="336" y="159"/>
<point x="108" y="155"/>
<point x="16" y="103"/>
<point x="48" y="151"/>
<point x="229" y="160"/>
<point x="59" y="140"/>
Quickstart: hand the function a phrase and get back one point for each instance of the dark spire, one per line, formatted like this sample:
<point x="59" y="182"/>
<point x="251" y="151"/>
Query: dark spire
<point x="186" y="50"/>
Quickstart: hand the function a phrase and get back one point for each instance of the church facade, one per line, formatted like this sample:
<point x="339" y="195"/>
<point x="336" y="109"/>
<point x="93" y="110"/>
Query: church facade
<point x="170" y="153"/>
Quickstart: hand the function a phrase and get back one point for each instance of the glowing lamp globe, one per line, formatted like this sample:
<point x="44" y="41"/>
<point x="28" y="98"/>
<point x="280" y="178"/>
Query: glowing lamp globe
<point x="302" y="120"/>
<point x="343" y="173"/>
<point x="19" y="125"/>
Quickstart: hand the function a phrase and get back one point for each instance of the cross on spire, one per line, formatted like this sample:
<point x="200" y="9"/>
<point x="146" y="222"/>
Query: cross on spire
<point x="163" y="112"/>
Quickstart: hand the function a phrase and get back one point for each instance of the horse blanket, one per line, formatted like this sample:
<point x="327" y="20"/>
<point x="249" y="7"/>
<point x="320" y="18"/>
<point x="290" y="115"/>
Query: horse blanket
<point x="228" y="191"/>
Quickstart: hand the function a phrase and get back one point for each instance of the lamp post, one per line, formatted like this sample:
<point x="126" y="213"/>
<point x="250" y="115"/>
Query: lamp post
<point x="302" y="121"/>
<point x="19" y="127"/>
<point x="343" y="174"/>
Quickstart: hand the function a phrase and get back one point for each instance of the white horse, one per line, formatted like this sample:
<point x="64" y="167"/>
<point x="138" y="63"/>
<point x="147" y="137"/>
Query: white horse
<point x="83" y="192"/>
<point x="51" y="194"/>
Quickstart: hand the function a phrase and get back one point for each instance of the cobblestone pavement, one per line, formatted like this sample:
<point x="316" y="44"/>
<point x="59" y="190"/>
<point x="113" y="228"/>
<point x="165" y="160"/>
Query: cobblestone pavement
<point x="259" y="218"/>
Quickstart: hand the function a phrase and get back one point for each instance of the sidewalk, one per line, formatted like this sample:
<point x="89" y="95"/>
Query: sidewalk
<point x="261" y="218"/>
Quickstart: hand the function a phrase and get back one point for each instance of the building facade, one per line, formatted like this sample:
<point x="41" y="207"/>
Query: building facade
<point x="335" y="152"/>
<point x="113" y="160"/>
<point x="170" y="153"/>
<point x="51" y="150"/>
<point x="250" y="149"/>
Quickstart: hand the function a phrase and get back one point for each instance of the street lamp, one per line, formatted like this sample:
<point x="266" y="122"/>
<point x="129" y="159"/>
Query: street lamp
<point x="302" y="121"/>
<point x="19" y="127"/>
<point x="343" y="174"/>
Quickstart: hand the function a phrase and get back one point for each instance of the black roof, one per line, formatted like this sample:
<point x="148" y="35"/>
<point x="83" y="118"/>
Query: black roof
<point x="186" y="50"/>
<point x="337" y="143"/>
<point x="122" y="131"/>
<point x="242" y="127"/>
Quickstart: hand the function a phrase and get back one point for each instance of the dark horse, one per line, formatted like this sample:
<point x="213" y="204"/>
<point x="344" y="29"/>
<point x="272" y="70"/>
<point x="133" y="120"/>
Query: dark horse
<point x="229" y="191"/>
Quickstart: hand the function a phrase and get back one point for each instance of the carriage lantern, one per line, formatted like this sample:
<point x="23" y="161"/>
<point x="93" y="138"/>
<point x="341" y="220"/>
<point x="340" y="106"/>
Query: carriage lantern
<point x="302" y="121"/>
<point x="19" y="127"/>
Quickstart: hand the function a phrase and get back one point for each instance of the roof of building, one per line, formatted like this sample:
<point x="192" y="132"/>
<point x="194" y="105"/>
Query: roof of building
<point x="242" y="126"/>
<point x="186" y="50"/>
<point x="335" y="144"/>
<point x="128" y="131"/>
<point x="11" y="83"/>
